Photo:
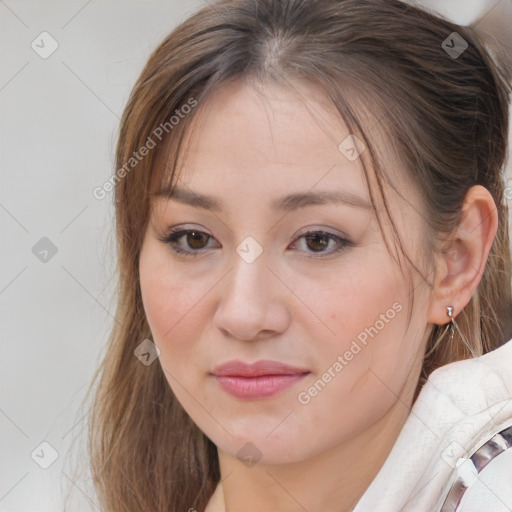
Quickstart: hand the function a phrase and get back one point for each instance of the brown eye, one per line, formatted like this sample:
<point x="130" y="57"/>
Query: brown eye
<point x="188" y="242"/>
<point x="196" y="239"/>
<point x="317" y="241"/>
<point x="321" y="243"/>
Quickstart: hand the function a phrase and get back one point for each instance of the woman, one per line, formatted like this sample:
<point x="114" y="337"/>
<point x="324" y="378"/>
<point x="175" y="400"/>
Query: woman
<point x="314" y="266"/>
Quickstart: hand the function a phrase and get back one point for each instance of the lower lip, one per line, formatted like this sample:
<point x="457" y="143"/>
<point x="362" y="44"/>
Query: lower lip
<point x="257" y="387"/>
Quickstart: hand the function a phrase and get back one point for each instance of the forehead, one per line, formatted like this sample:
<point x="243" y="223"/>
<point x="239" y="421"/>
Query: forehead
<point x="275" y="135"/>
<point x="252" y="140"/>
<point x="294" y="124"/>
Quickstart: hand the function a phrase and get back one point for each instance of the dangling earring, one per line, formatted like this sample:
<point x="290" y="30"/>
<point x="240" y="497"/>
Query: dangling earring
<point x="449" y="327"/>
<point x="452" y="324"/>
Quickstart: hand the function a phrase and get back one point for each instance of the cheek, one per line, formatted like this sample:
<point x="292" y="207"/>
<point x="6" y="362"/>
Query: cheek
<point x="171" y="306"/>
<point x="360" y="341"/>
<point x="174" y="316"/>
<point x="364" y="302"/>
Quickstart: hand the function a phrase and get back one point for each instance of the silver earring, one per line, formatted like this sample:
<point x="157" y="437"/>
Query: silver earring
<point x="449" y="312"/>
<point x="449" y="327"/>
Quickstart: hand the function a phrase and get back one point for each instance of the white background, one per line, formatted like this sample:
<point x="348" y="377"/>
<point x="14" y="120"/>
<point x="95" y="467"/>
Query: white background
<point x="58" y="128"/>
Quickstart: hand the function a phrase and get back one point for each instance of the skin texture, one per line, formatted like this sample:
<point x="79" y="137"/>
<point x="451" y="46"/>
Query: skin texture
<point x="290" y="304"/>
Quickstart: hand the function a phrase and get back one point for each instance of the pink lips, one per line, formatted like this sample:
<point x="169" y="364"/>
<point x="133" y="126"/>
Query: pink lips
<point x="258" y="380"/>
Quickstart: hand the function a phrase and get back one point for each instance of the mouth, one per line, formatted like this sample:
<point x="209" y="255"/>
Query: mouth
<point x="258" y="380"/>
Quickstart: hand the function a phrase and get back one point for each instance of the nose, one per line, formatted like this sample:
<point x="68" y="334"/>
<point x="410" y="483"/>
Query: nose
<point x="252" y="302"/>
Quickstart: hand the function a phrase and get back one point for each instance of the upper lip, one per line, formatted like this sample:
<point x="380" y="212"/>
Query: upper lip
<point x="264" y="367"/>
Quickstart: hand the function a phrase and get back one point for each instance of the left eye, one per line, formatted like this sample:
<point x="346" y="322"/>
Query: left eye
<point x="195" y="241"/>
<point x="317" y="241"/>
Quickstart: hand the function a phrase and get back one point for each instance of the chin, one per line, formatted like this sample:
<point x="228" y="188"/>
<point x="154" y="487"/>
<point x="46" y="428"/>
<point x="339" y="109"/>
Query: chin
<point x="254" y="447"/>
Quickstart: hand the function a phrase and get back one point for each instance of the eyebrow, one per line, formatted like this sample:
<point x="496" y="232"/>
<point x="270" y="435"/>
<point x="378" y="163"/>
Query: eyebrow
<point x="285" y="204"/>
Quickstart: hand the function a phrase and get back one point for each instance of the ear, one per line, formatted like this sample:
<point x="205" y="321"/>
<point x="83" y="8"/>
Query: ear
<point x="460" y="265"/>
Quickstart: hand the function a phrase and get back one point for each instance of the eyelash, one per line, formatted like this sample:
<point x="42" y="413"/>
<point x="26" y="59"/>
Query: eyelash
<point x="175" y="234"/>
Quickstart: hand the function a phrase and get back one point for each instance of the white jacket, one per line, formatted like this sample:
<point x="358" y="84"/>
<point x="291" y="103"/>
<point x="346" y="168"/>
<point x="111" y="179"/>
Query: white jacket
<point x="449" y="442"/>
<point x="461" y="407"/>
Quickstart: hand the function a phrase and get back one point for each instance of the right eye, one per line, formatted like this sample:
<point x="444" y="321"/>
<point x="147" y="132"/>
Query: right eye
<point x="188" y="242"/>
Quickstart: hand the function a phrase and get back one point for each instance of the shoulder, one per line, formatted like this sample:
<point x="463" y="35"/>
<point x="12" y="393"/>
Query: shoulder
<point x="479" y="392"/>
<point x="480" y="378"/>
<point x="458" y="415"/>
<point x="483" y="479"/>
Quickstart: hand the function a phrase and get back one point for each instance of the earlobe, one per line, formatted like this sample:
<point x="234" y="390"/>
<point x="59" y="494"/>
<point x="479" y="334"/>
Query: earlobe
<point x="460" y="266"/>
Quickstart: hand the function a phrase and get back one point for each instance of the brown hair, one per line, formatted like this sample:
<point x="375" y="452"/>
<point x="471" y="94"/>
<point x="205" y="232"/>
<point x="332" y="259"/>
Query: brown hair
<point x="446" y="115"/>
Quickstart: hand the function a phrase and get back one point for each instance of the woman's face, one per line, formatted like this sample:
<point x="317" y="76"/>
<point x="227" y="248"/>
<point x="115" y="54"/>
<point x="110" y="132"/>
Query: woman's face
<point x="252" y="285"/>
